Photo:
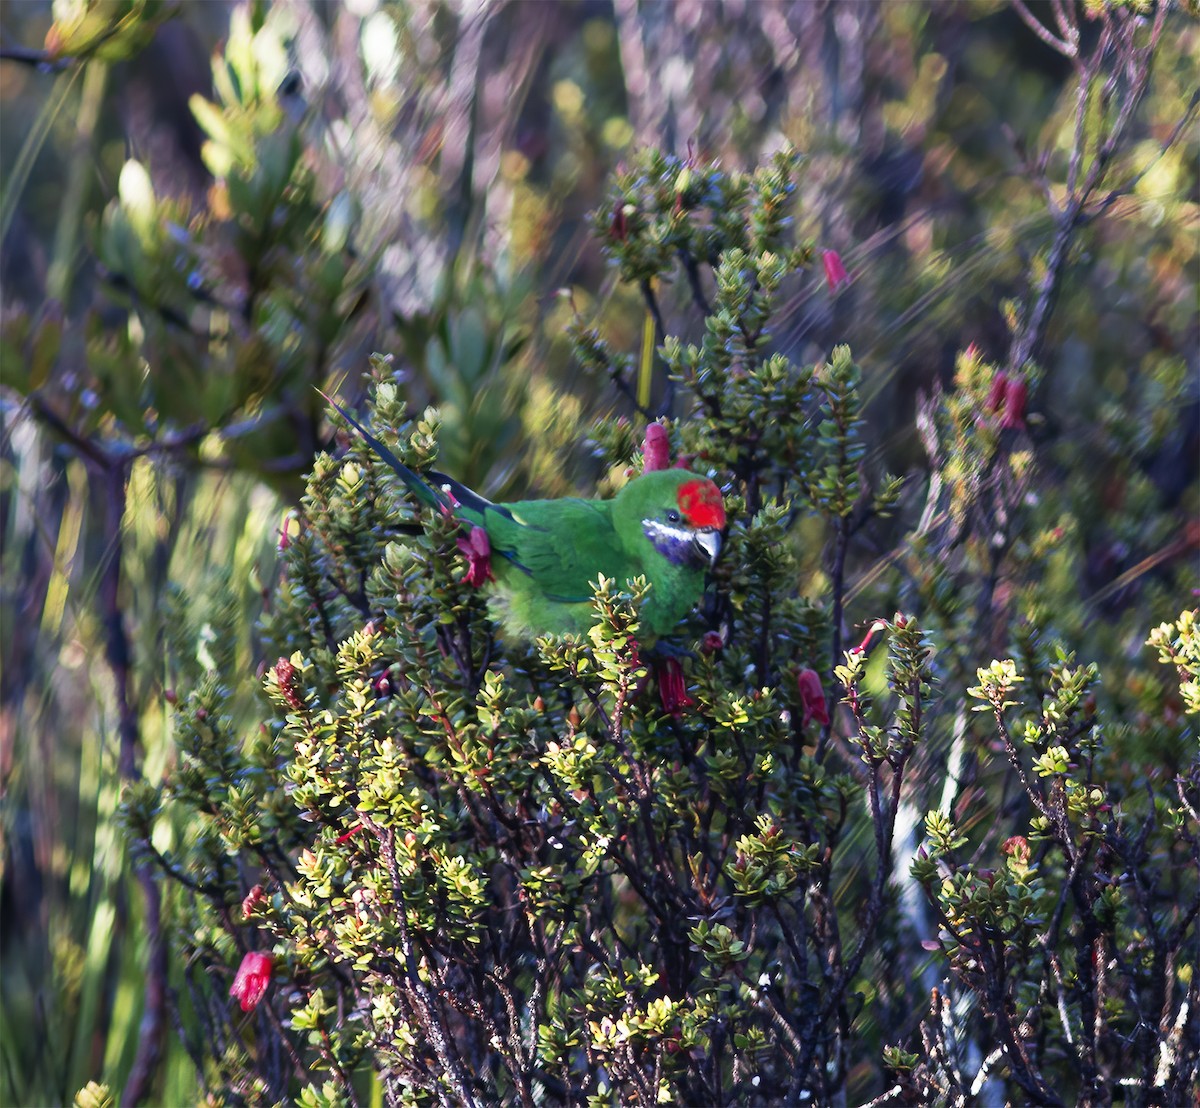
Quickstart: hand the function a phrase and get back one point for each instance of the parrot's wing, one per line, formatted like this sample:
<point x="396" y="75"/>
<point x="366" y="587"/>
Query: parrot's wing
<point x="561" y="545"/>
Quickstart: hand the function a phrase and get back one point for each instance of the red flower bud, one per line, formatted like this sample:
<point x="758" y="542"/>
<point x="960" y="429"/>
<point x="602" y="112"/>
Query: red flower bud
<point x="712" y="642"/>
<point x="1017" y="847"/>
<point x="656" y="453"/>
<point x="253" y="977"/>
<point x="1015" y="398"/>
<point x="286" y="675"/>
<point x="254" y="900"/>
<point x="835" y="273"/>
<point x="477" y="549"/>
<point x="812" y="696"/>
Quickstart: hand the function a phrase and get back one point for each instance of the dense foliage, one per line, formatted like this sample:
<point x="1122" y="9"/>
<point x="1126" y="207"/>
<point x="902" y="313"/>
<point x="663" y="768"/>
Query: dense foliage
<point x="906" y="811"/>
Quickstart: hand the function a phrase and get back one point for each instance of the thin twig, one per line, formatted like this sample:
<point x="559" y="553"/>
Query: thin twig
<point x="1042" y="31"/>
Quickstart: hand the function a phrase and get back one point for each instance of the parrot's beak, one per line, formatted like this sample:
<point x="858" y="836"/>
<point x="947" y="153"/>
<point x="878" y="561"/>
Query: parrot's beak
<point x="709" y="542"/>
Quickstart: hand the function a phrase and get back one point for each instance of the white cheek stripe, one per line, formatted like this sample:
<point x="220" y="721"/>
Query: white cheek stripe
<point x="655" y="530"/>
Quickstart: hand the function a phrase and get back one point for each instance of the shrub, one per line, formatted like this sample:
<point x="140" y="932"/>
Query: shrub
<point x="488" y="869"/>
<point x="728" y="894"/>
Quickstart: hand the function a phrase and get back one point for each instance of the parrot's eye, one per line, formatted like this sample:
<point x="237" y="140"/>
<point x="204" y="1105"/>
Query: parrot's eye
<point x="673" y="517"/>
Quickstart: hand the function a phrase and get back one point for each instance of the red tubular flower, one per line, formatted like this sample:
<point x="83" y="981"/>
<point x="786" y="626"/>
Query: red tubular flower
<point x="619" y="228"/>
<point x="1016" y="396"/>
<point x="478" y="551"/>
<point x="290" y="529"/>
<point x="878" y="625"/>
<point x="812" y="696"/>
<point x="345" y="836"/>
<point x="253" y="977"/>
<point x="672" y="687"/>
<point x="999" y="387"/>
<point x="656" y="453"/>
<point x="835" y="273"/>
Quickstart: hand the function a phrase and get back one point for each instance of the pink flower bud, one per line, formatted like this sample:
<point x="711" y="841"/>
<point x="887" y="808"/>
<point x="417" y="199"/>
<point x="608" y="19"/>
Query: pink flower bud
<point x="656" y="453"/>
<point x="835" y="273"/>
<point x="253" y="977"/>
<point x="812" y="696"/>
<point x="712" y="642"/>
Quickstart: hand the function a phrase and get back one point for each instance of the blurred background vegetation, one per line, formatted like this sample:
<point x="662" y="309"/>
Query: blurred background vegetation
<point x="209" y="210"/>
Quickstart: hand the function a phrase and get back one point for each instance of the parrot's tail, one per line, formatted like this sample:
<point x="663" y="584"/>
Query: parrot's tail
<point x="419" y="487"/>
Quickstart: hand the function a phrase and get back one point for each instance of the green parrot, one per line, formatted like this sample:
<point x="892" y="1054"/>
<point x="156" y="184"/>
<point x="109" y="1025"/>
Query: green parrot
<point x="543" y="554"/>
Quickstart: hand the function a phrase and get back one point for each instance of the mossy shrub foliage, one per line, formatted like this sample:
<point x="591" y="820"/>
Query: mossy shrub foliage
<point x="472" y="869"/>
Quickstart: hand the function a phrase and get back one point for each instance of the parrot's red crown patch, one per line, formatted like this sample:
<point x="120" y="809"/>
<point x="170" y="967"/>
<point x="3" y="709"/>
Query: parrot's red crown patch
<point x="701" y="503"/>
